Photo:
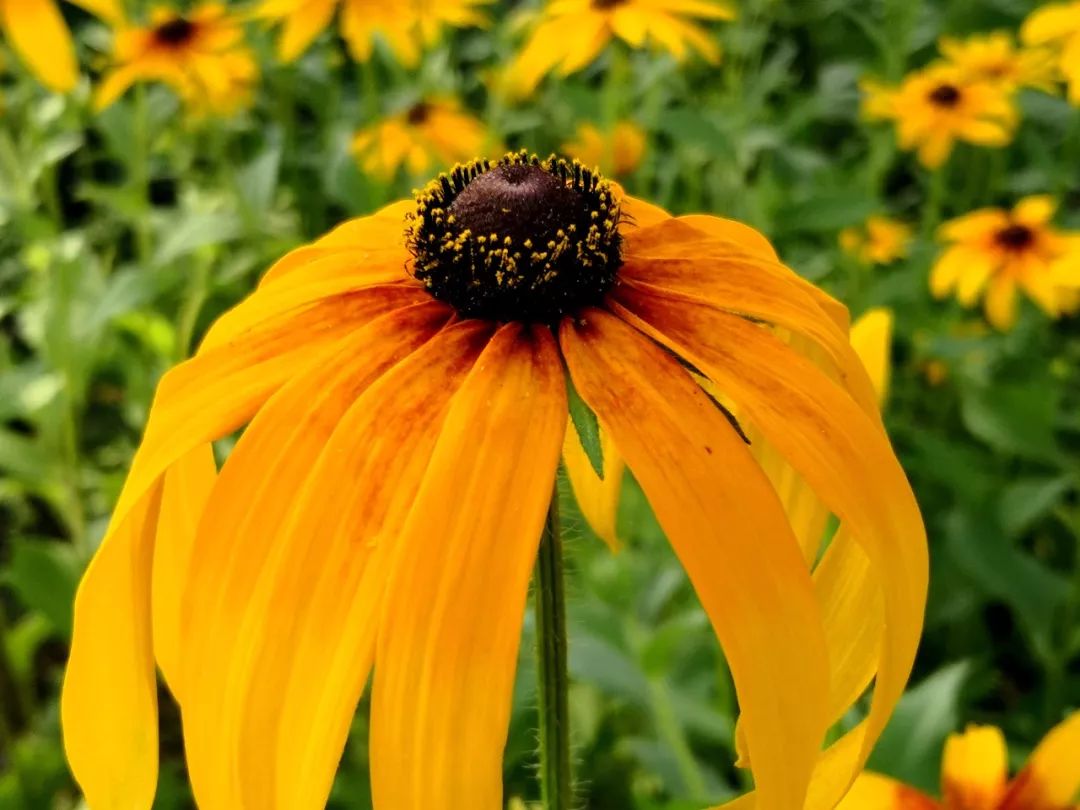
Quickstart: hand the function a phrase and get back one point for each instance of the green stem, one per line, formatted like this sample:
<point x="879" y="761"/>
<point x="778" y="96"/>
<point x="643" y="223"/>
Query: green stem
<point x="556" y="779"/>
<point x="14" y="711"/>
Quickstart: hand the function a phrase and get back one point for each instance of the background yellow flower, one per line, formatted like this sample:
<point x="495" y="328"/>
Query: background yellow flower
<point x="1057" y="25"/>
<point x="936" y="106"/>
<point x="428" y="135"/>
<point x="617" y="152"/>
<point x="880" y="240"/>
<point x="994" y="254"/>
<point x="975" y="776"/>
<point x="201" y="55"/>
<point x="570" y="34"/>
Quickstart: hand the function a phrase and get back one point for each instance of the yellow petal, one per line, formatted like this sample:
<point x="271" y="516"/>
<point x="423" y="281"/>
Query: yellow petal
<point x="109" y="700"/>
<point x="840" y="451"/>
<point x="974" y="768"/>
<point x="1000" y="304"/>
<point x="1035" y="211"/>
<point x="598" y="498"/>
<point x="871" y="337"/>
<point x="38" y="34"/>
<point x="874" y="792"/>
<point x="1051" y="778"/>
<point x="316" y="651"/>
<point x="302" y="26"/>
<point x="237" y="551"/>
<point x="186" y="487"/>
<point x="728" y="529"/>
<point x="448" y="644"/>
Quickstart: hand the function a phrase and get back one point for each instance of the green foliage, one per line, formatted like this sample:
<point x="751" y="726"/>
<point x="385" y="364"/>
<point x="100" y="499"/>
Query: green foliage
<point x="124" y="234"/>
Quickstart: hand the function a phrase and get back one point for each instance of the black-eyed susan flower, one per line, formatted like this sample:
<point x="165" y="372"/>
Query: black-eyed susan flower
<point x="975" y="776"/>
<point x="994" y="57"/>
<point x="993" y="254"/>
<point x="879" y="240"/>
<point x="404" y="386"/>
<point x="431" y="134"/>
<point x="939" y="105"/>
<point x="407" y="26"/>
<point x="201" y="55"/>
<point x="618" y="151"/>
<point x="570" y="34"/>
<point x="1057" y="25"/>
<point x="36" y="31"/>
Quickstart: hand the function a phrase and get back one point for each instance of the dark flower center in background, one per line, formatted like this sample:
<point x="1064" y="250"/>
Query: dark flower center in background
<point x="175" y="32"/>
<point x="1015" y="237"/>
<point x="603" y="5"/>
<point x="519" y="240"/>
<point x="945" y="95"/>
<point x="418" y="113"/>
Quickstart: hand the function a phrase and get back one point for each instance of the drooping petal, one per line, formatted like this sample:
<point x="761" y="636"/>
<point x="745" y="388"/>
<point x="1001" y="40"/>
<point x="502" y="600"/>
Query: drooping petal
<point x="187" y="485"/>
<point x="598" y="498"/>
<point x="1051" y="777"/>
<point x="109" y="700"/>
<point x="834" y="445"/>
<point x="37" y="32"/>
<point x="974" y="768"/>
<point x="871" y="337"/>
<point x="874" y="792"/>
<point x="451" y="624"/>
<point x="729" y="530"/>
<point x="236" y="553"/>
<point x="316" y="650"/>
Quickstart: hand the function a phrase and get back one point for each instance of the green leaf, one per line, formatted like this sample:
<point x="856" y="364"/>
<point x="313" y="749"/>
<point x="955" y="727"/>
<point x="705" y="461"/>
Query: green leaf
<point x="587" y="427"/>
<point x="1024" y="502"/>
<point x="999" y="569"/>
<point x="1015" y="418"/>
<point x="44" y="575"/>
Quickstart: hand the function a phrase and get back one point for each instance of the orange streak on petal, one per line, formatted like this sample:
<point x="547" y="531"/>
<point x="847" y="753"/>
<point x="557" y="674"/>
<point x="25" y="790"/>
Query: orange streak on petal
<point x="237" y="551"/>
<point x="316" y="651"/>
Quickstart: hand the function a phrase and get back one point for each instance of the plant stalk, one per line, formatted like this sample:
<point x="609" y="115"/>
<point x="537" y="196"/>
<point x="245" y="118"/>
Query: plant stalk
<point x="556" y="779"/>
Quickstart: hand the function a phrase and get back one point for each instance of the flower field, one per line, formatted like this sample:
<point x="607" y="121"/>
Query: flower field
<point x="918" y="162"/>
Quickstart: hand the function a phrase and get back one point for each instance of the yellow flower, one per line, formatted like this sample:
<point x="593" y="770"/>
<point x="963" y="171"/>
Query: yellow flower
<point x="570" y="34"/>
<point x="995" y="252"/>
<point x="975" y="776"/>
<point x="936" y="106"/>
<point x="403" y="385"/>
<point x="1058" y="25"/>
<point x="429" y="135"/>
<point x="880" y="240"/>
<point x="618" y="152"/>
<point x="995" y="58"/>
<point x="201" y="55"/>
<point x="406" y="25"/>
<point x="36" y="31"/>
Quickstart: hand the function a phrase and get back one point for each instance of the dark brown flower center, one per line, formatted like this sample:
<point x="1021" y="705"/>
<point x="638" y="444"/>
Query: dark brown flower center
<point x="604" y="5"/>
<point x="175" y="32"/>
<point x="1015" y="237"/>
<point x="418" y="113"/>
<point x="945" y="95"/>
<point x="518" y="240"/>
